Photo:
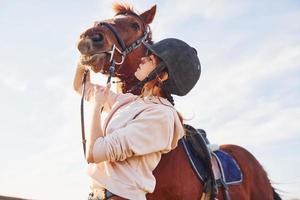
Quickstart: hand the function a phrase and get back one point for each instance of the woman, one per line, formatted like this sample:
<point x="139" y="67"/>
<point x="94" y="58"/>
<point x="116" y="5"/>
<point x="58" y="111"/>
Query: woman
<point x="138" y="129"/>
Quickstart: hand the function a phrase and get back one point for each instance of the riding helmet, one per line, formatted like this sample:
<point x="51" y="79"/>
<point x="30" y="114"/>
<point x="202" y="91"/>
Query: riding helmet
<point x="182" y="64"/>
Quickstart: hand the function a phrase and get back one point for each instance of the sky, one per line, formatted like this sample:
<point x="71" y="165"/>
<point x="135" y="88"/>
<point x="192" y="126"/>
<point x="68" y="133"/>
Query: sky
<point x="248" y="93"/>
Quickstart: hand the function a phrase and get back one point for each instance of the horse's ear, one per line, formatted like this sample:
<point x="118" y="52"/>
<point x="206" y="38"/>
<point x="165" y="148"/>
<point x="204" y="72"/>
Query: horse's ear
<point x="148" y="15"/>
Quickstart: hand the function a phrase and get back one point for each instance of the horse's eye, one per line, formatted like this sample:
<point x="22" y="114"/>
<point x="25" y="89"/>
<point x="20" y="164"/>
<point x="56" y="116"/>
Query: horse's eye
<point x="135" y="26"/>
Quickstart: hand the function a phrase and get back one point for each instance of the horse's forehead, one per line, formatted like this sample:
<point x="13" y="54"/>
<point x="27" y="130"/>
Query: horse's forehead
<point x="120" y="16"/>
<point x="116" y="19"/>
<point x="123" y="18"/>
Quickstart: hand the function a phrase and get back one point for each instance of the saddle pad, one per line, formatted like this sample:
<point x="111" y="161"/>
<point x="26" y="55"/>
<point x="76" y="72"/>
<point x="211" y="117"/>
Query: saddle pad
<point x="230" y="170"/>
<point x="195" y="161"/>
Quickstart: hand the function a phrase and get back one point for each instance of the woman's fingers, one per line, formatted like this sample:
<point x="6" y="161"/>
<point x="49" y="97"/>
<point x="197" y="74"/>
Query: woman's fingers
<point x="107" y="88"/>
<point x="103" y="89"/>
<point x="101" y="95"/>
<point x="101" y="92"/>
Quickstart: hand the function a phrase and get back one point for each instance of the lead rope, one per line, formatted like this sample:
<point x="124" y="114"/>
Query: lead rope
<point x="82" y="113"/>
<point x="111" y="73"/>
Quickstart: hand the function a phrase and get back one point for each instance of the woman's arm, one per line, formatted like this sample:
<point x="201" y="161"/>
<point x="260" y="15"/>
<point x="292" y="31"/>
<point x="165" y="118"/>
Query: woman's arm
<point x="153" y="130"/>
<point x="96" y="132"/>
<point x="100" y="98"/>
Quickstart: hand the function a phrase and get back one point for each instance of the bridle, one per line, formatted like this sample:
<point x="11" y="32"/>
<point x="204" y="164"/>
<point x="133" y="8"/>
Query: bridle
<point x="124" y="51"/>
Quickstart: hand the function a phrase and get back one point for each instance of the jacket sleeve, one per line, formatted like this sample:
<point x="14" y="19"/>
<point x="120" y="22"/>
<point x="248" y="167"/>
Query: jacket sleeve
<point x="151" y="131"/>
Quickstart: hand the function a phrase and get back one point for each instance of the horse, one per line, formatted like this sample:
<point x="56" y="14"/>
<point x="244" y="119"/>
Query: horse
<point x="114" y="47"/>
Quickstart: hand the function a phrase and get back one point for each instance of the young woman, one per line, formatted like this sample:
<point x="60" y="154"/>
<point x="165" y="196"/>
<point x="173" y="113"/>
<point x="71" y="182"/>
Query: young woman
<point x="138" y="129"/>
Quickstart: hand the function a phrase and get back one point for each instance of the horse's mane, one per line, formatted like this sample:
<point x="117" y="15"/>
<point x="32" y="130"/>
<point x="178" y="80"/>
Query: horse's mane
<point x="123" y="8"/>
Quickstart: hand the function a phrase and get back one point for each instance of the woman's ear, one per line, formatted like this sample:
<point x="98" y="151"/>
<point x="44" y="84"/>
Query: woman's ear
<point x="155" y="60"/>
<point x="164" y="76"/>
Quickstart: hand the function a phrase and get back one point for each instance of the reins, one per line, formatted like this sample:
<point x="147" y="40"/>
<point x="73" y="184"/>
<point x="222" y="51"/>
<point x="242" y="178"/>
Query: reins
<point x="82" y="112"/>
<point x="112" y="69"/>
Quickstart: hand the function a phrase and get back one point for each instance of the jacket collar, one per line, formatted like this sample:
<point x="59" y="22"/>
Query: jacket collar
<point x="157" y="100"/>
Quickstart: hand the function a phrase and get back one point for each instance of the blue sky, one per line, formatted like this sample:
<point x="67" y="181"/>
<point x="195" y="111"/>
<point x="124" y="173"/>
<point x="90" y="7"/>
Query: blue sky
<point x="248" y="93"/>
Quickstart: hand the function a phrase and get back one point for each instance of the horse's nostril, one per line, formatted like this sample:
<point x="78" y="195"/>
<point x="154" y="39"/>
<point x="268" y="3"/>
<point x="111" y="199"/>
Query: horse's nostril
<point x="97" y="38"/>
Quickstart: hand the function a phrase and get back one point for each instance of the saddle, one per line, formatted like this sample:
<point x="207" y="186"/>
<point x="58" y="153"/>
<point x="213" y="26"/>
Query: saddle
<point x="201" y="157"/>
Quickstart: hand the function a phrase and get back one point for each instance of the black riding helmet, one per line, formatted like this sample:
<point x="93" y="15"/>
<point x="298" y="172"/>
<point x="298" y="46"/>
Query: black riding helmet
<point x="182" y="64"/>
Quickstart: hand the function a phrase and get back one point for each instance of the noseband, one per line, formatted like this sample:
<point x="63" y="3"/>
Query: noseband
<point x="112" y="69"/>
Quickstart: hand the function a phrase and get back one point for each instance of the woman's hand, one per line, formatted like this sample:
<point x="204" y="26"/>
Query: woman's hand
<point x="101" y="96"/>
<point x="77" y="82"/>
<point x="82" y="67"/>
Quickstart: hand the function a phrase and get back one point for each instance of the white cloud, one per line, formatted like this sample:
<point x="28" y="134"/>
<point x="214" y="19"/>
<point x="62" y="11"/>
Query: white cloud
<point x="58" y="169"/>
<point x="11" y="79"/>
<point x="239" y="98"/>
<point x="171" y="14"/>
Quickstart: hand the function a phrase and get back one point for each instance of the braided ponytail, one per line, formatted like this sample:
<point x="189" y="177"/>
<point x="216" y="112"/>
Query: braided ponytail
<point x="170" y="98"/>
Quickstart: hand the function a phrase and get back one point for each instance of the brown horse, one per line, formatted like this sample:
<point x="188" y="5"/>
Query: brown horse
<point x="174" y="174"/>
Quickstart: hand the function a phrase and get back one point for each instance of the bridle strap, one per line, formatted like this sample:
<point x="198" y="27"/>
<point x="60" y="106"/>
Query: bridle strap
<point x="126" y="50"/>
<point x="116" y="34"/>
<point x="138" y="42"/>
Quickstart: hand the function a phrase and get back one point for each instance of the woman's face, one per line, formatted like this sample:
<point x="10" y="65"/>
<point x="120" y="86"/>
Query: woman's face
<point x="146" y="66"/>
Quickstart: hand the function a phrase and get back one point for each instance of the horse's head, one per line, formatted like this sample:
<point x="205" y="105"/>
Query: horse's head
<point x="125" y="31"/>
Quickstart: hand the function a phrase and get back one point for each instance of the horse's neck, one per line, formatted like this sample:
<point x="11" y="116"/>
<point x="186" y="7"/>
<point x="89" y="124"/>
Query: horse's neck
<point x="124" y="85"/>
<point x="128" y="80"/>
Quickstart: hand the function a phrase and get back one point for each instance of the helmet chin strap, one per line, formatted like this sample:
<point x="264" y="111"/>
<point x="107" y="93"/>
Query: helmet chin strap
<point x="159" y="68"/>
